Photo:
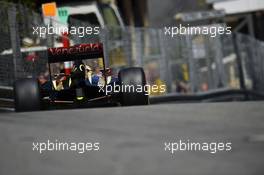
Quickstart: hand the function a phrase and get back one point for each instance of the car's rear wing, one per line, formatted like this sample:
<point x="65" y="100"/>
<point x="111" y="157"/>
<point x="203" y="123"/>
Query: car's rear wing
<point x="82" y="51"/>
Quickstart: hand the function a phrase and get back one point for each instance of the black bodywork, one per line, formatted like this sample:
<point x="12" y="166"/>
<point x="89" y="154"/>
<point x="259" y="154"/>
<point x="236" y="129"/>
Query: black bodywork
<point x="78" y="85"/>
<point x="91" y="93"/>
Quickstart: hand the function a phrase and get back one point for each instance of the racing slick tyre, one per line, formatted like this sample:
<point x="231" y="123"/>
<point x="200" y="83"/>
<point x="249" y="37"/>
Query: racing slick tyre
<point x="135" y="77"/>
<point x="27" y="95"/>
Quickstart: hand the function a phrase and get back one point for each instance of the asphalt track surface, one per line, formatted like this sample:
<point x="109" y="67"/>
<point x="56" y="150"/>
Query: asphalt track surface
<point x="132" y="140"/>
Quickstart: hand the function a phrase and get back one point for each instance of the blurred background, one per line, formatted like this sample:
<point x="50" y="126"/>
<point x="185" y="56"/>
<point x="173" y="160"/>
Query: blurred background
<point x="133" y="35"/>
<point x="132" y="138"/>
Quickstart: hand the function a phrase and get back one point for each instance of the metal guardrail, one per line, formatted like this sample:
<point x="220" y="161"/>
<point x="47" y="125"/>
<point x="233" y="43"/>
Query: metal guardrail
<point x="212" y="96"/>
<point x="6" y="97"/>
<point x="6" y="92"/>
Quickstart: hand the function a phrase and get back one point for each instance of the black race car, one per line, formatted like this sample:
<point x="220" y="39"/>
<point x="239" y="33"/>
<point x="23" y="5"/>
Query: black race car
<point x="85" y="84"/>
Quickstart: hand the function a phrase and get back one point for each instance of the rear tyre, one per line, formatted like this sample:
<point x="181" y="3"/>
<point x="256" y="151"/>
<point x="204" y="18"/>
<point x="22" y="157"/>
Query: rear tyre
<point x="135" y="77"/>
<point x="27" y="95"/>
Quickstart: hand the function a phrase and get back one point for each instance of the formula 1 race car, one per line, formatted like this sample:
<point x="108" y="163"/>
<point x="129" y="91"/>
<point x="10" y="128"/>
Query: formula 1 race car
<point x="85" y="83"/>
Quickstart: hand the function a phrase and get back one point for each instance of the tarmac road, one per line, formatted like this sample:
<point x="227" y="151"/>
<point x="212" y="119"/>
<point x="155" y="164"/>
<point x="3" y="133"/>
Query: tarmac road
<point x="132" y="140"/>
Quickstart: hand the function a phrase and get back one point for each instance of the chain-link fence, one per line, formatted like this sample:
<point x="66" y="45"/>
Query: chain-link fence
<point x="184" y="63"/>
<point x="22" y="53"/>
<point x="6" y="61"/>
<point x="252" y="55"/>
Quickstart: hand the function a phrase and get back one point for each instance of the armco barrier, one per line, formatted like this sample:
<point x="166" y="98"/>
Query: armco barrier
<point x="213" y="96"/>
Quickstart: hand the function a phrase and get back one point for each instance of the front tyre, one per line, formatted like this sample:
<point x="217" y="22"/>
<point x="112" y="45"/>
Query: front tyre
<point x="27" y="95"/>
<point x="133" y="77"/>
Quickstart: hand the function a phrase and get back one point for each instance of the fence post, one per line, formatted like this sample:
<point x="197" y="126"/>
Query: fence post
<point x="139" y="51"/>
<point x="104" y="39"/>
<point x="219" y="62"/>
<point x="131" y="59"/>
<point x="14" y="37"/>
<point x="240" y="66"/>
<point x="209" y="62"/>
<point x="166" y="71"/>
<point x="252" y="50"/>
<point x="192" y="65"/>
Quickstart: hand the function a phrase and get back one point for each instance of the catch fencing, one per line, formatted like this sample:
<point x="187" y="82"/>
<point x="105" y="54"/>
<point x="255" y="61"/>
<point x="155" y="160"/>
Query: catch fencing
<point x="184" y="63"/>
